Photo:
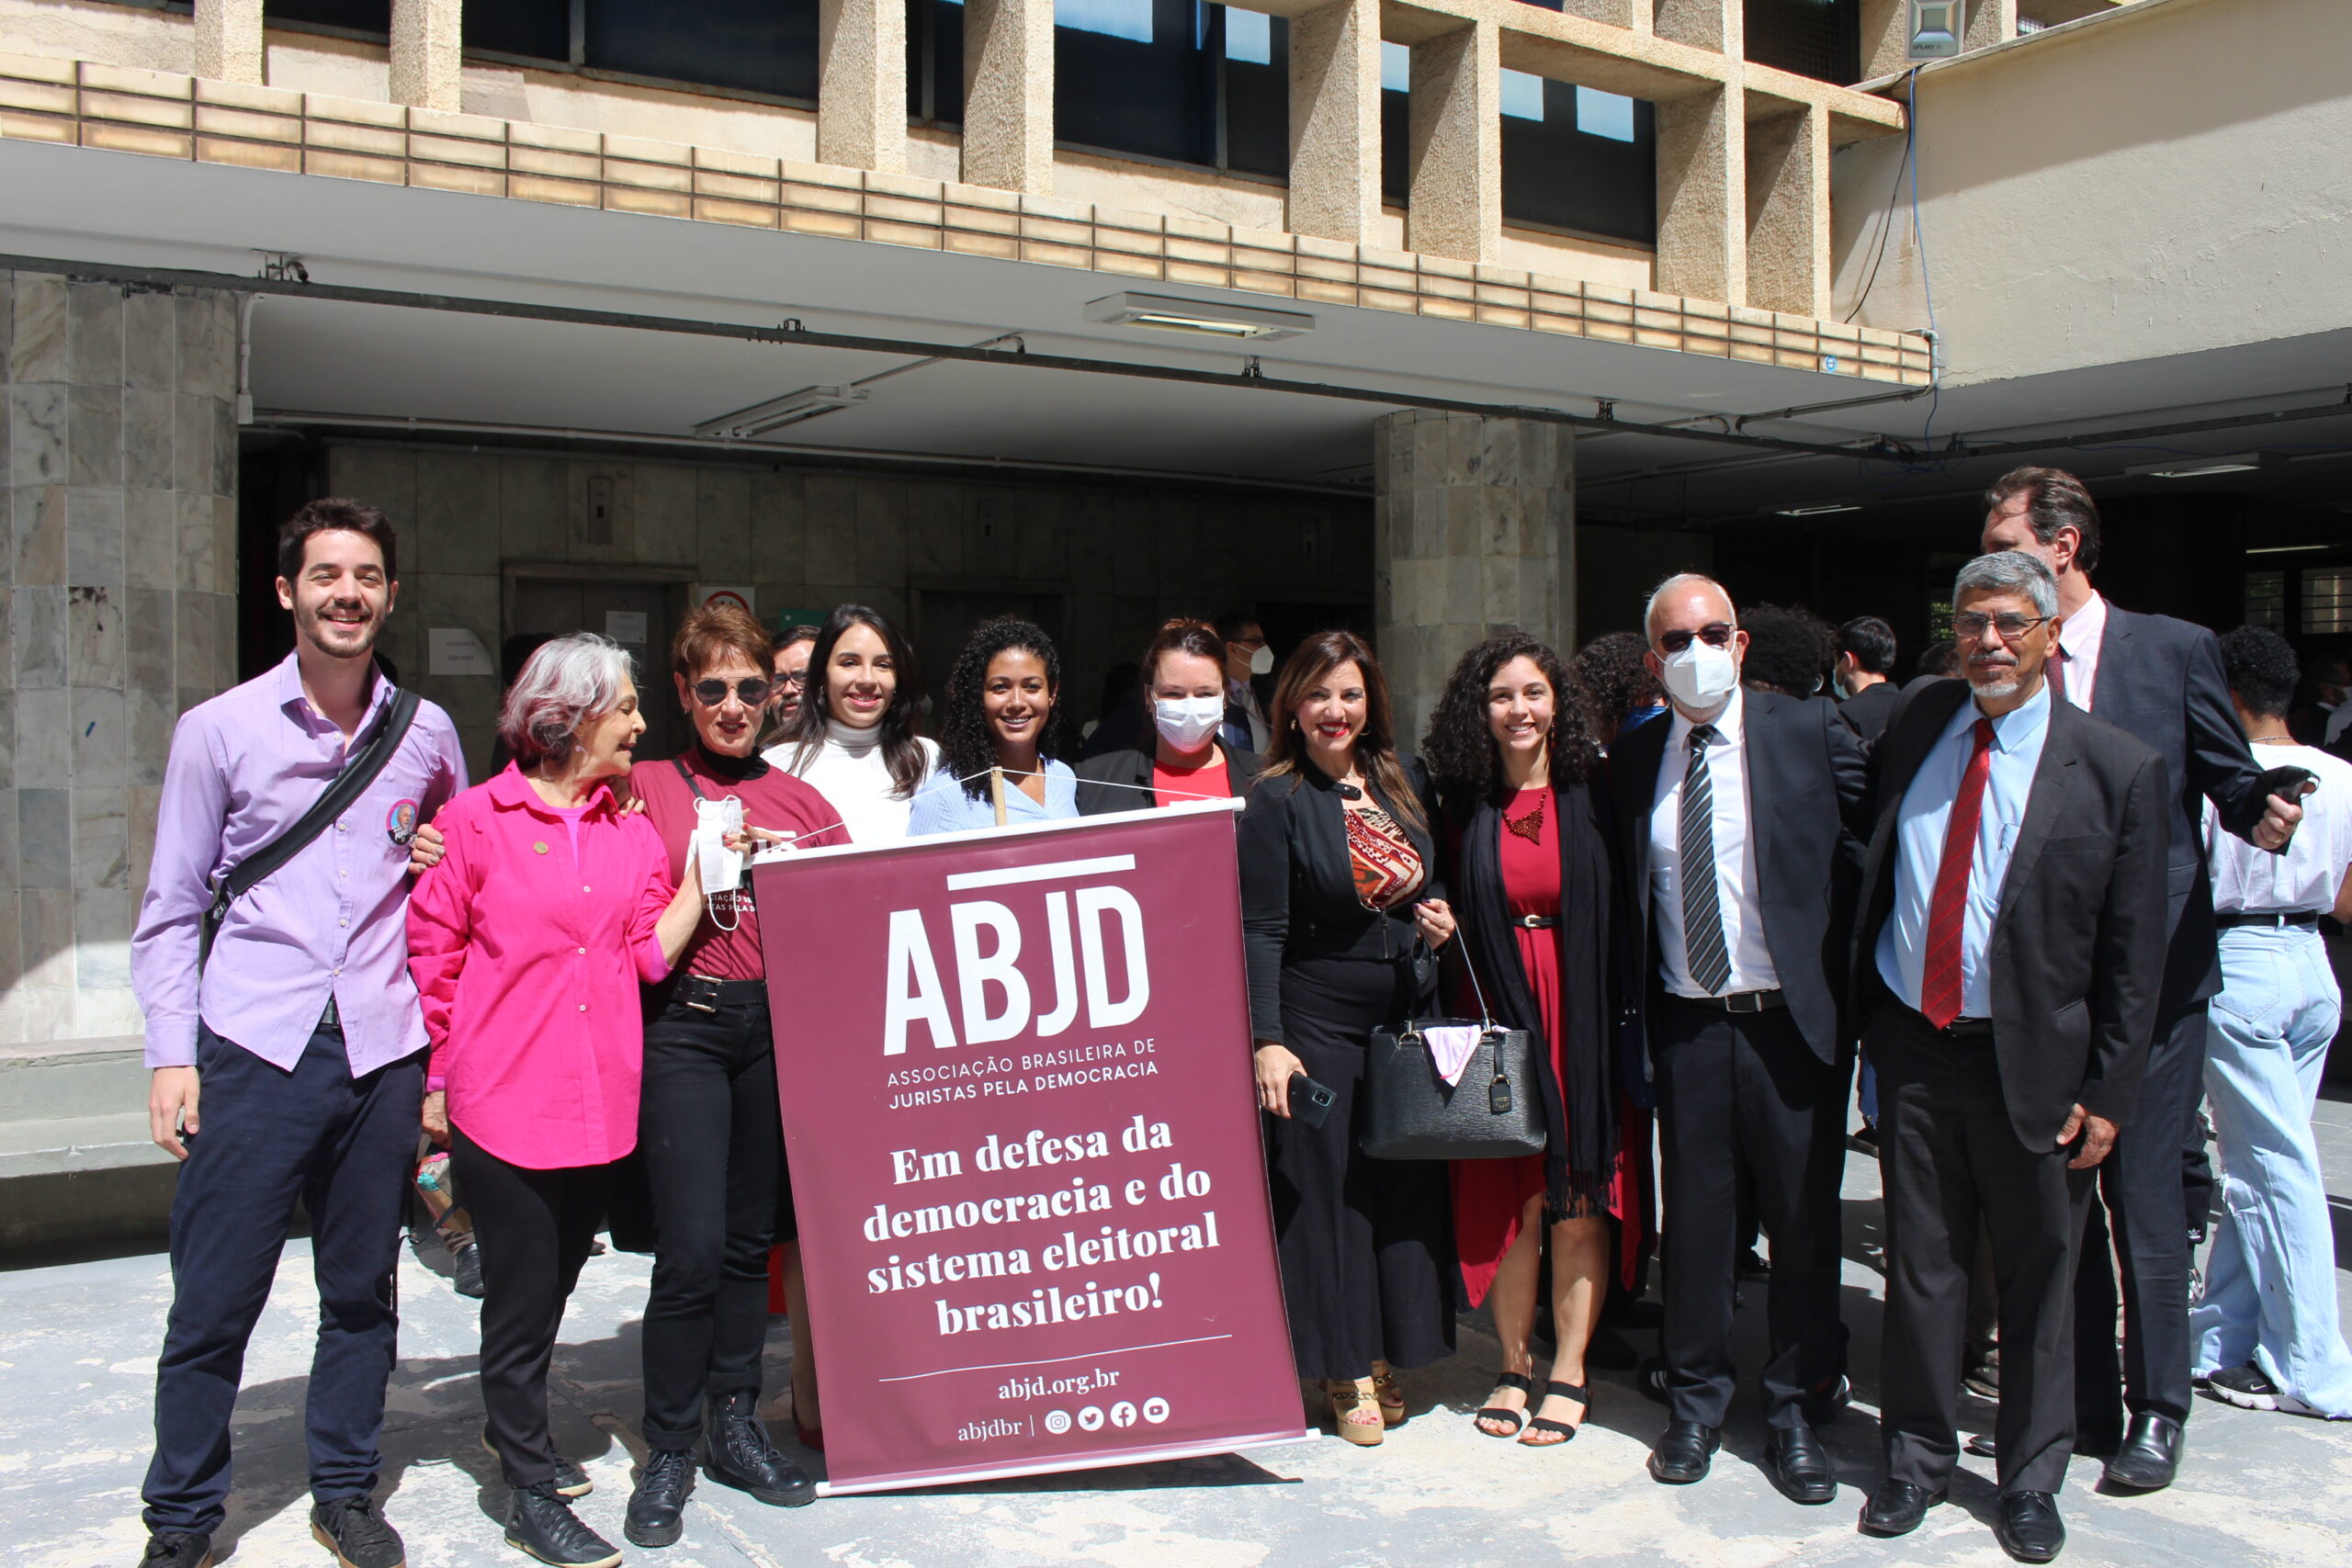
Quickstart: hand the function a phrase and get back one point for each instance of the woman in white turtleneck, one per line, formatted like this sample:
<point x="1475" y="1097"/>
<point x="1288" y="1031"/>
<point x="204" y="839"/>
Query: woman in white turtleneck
<point x="854" y="736"/>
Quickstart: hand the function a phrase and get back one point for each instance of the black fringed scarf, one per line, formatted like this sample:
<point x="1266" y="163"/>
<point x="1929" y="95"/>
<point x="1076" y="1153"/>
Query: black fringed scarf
<point x="1580" y="1099"/>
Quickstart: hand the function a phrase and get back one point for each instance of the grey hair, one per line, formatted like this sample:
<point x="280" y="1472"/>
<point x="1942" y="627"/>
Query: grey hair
<point x="1650" y="610"/>
<point x="2009" y="571"/>
<point x="567" y="682"/>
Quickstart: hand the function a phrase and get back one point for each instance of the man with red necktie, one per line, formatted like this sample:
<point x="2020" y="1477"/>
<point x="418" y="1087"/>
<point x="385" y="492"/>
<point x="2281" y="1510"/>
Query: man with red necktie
<point x="2007" y="968"/>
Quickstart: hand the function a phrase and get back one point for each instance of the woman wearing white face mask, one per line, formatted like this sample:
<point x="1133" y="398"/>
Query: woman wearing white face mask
<point x="1184" y="696"/>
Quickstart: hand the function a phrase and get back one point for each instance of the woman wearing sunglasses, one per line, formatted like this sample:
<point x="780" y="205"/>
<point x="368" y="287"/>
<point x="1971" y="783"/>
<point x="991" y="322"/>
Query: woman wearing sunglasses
<point x="1002" y="713"/>
<point x="707" y="1127"/>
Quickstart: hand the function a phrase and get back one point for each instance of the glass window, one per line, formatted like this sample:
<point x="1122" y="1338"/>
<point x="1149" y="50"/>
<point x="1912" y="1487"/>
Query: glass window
<point x="1604" y="113"/>
<point x="1132" y="76"/>
<point x="537" y="29"/>
<point x="757" y="46"/>
<point x="2327" y="600"/>
<point x="2266" y="600"/>
<point x="935" y="62"/>
<point x="1821" y="38"/>
<point x="1257" y="92"/>
<point x="357" y="15"/>
<point x="1574" y="158"/>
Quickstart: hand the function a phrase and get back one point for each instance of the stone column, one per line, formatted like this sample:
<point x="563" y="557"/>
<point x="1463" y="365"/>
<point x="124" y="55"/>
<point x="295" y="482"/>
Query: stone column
<point x="1335" y="121"/>
<point x="1008" y="94"/>
<point x="1788" y="212"/>
<point x="1473" y="532"/>
<point x="119" y="486"/>
<point x="1989" y="22"/>
<point x="1702" y="196"/>
<point x="1886" y="37"/>
<point x="1456" y="203"/>
<point x="862" y="84"/>
<point x="227" y="40"/>
<point x="426" y="53"/>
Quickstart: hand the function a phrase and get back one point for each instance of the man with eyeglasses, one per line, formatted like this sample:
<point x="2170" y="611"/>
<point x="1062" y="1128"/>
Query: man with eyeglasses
<point x="1248" y="659"/>
<point x="2007" y="965"/>
<point x="790" y="660"/>
<point x="1734" y="814"/>
<point x="2159" y="680"/>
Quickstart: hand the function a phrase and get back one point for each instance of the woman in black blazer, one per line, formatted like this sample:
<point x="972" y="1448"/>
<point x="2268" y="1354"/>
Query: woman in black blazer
<point x="1341" y="906"/>
<point x="1183" y="692"/>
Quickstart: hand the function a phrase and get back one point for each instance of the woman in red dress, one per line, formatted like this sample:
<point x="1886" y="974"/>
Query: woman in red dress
<point x="1512" y="755"/>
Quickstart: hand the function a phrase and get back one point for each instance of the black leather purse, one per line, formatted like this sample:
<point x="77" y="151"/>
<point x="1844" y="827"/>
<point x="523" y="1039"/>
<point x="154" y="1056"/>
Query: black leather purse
<point x="1411" y="1112"/>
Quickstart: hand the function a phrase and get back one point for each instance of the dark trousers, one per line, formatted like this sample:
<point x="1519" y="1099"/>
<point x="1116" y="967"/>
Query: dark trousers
<point x="342" y="1144"/>
<point x="713" y="1148"/>
<point x="1743" y="1092"/>
<point x="2139" y="1217"/>
<point x="1952" y="1161"/>
<point x="535" y="1228"/>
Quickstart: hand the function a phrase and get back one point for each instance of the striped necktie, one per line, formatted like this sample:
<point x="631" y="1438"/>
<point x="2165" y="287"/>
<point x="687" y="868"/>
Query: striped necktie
<point x="1703" y="915"/>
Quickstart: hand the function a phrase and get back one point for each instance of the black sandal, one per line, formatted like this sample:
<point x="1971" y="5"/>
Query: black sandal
<point x="1577" y="1392"/>
<point x="1502" y="1412"/>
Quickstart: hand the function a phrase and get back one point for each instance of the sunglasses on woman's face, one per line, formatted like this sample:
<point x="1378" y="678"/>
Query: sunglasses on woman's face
<point x="751" y="690"/>
<point x="1714" y="634"/>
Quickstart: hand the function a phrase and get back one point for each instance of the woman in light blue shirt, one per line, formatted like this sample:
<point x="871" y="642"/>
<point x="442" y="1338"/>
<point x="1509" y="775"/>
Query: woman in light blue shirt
<point x="1002" y="710"/>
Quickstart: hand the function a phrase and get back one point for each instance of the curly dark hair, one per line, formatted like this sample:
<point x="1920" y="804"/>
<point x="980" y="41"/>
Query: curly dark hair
<point x="1460" y="748"/>
<point x="967" y="750"/>
<point x="2260" y="666"/>
<point x="1789" y="650"/>
<point x="1617" y="681"/>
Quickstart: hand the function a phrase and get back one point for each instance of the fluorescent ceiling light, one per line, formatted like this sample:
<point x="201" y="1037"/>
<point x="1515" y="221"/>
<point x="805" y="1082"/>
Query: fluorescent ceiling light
<point x="2286" y="549"/>
<point x="1816" y="509"/>
<point x="778" y="412"/>
<point x="1232" y="322"/>
<point x="2198" y="468"/>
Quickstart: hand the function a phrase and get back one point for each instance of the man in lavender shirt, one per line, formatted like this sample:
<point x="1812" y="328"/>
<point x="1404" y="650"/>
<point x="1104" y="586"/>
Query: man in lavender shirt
<point x="301" y="1040"/>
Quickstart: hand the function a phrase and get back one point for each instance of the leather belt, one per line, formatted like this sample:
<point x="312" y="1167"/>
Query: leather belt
<point x="705" y="994"/>
<point x="2273" y="918"/>
<point x="1739" y="1001"/>
<point x="1535" y="922"/>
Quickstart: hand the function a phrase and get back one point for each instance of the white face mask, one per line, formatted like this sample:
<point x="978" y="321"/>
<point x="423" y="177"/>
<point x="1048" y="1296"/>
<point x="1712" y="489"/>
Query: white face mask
<point x="1185" y="722"/>
<point x="1701" y="675"/>
<point x="1262" y="661"/>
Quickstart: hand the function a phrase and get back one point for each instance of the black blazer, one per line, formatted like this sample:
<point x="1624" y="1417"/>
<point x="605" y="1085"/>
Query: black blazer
<point x="1100" y="778"/>
<point x="2078" y="947"/>
<point x="1806" y="783"/>
<point x="1298" y="889"/>
<point x="2160" y="682"/>
<point x="1867" y="711"/>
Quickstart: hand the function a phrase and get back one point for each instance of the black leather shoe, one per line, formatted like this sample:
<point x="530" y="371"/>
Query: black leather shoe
<point x="1685" y="1453"/>
<point x="740" y="1454"/>
<point x="357" y="1534"/>
<point x="1896" y="1508"/>
<point x="178" y="1549"/>
<point x="1799" y="1465"/>
<point x="540" y="1523"/>
<point x="2028" y="1526"/>
<point x="2149" y="1456"/>
<point x="663" y="1487"/>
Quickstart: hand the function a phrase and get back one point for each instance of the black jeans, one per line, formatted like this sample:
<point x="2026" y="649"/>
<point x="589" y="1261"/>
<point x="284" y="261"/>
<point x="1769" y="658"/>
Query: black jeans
<point x="535" y="1227"/>
<point x="713" y="1146"/>
<point x="345" y="1146"/>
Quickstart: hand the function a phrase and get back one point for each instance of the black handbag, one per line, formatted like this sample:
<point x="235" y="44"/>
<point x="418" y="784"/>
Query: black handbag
<point x="1411" y="1112"/>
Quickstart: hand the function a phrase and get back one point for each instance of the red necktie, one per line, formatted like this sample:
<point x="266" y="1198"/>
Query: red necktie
<point x="1948" y="909"/>
<point x="2058" y="673"/>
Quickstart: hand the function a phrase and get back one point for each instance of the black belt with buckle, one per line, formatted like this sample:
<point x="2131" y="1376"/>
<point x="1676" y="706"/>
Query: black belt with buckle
<point x="1739" y="1001"/>
<point x="2268" y="918"/>
<point x="1535" y="922"/>
<point x="703" y="994"/>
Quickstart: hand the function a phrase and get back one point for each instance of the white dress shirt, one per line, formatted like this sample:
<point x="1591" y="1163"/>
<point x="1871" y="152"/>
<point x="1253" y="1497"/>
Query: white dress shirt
<point x="1735" y="867"/>
<point x="2080" y="639"/>
<point x="1920" y="827"/>
<point x="2307" y="876"/>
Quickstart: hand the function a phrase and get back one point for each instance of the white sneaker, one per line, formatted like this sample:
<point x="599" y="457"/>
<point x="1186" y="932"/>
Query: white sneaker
<point x="2246" y="1388"/>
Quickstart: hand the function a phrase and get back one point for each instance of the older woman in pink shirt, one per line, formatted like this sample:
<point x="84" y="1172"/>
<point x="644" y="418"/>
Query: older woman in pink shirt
<point x="528" y="941"/>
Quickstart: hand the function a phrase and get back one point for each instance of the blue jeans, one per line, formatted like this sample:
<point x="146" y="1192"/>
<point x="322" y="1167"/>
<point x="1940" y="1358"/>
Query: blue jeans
<point x="2270" y="1287"/>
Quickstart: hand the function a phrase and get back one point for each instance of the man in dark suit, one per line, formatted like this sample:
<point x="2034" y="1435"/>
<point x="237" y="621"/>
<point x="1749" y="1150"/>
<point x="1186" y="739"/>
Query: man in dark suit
<point x="2160" y="681"/>
<point x="1865" y="659"/>
<point x="1732" y="811"/>
<point x="2007" y="963"/>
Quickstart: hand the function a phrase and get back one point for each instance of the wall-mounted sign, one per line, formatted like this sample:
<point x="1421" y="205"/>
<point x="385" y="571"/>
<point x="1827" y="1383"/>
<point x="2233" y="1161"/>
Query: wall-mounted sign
<point x="739" y="595"/>
<point x="455" y="650"/>
<point x="625" y="625"/>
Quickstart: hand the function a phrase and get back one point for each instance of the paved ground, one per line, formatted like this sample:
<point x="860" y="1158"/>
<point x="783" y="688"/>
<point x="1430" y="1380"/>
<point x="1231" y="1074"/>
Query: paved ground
<point x="78" y="1364"/>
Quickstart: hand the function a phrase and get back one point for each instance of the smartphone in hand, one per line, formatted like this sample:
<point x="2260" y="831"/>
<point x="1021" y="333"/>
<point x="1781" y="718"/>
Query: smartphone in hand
<point x="1310" y="1101"/>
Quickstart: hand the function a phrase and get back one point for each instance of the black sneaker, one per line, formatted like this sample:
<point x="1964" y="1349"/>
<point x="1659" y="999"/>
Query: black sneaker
<point x="738" y="1454"/>
<point x="540" y="1523"/>
<point x="357" y="1534"/>
<point x="570" y="1479"/>
<point x="656" y="1506"/>
<point x="178" y="1549"/>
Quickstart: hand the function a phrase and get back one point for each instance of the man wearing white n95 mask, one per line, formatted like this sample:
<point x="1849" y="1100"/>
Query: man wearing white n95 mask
<point x="1733" y="810"/>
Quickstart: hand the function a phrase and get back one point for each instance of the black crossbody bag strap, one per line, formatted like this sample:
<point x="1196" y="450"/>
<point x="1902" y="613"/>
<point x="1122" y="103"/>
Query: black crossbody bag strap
<point x="358" y="773"/>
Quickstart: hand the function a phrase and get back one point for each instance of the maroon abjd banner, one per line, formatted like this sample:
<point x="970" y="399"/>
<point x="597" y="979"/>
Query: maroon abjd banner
<point x="1014" y="1071"/>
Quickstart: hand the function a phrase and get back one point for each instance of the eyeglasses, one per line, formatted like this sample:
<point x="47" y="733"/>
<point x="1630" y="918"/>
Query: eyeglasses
<point x="1968" y="626"/>
<point x="796" y="679"/>
<point x="751" y="690"/>
<point x="1714" y="634"/>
